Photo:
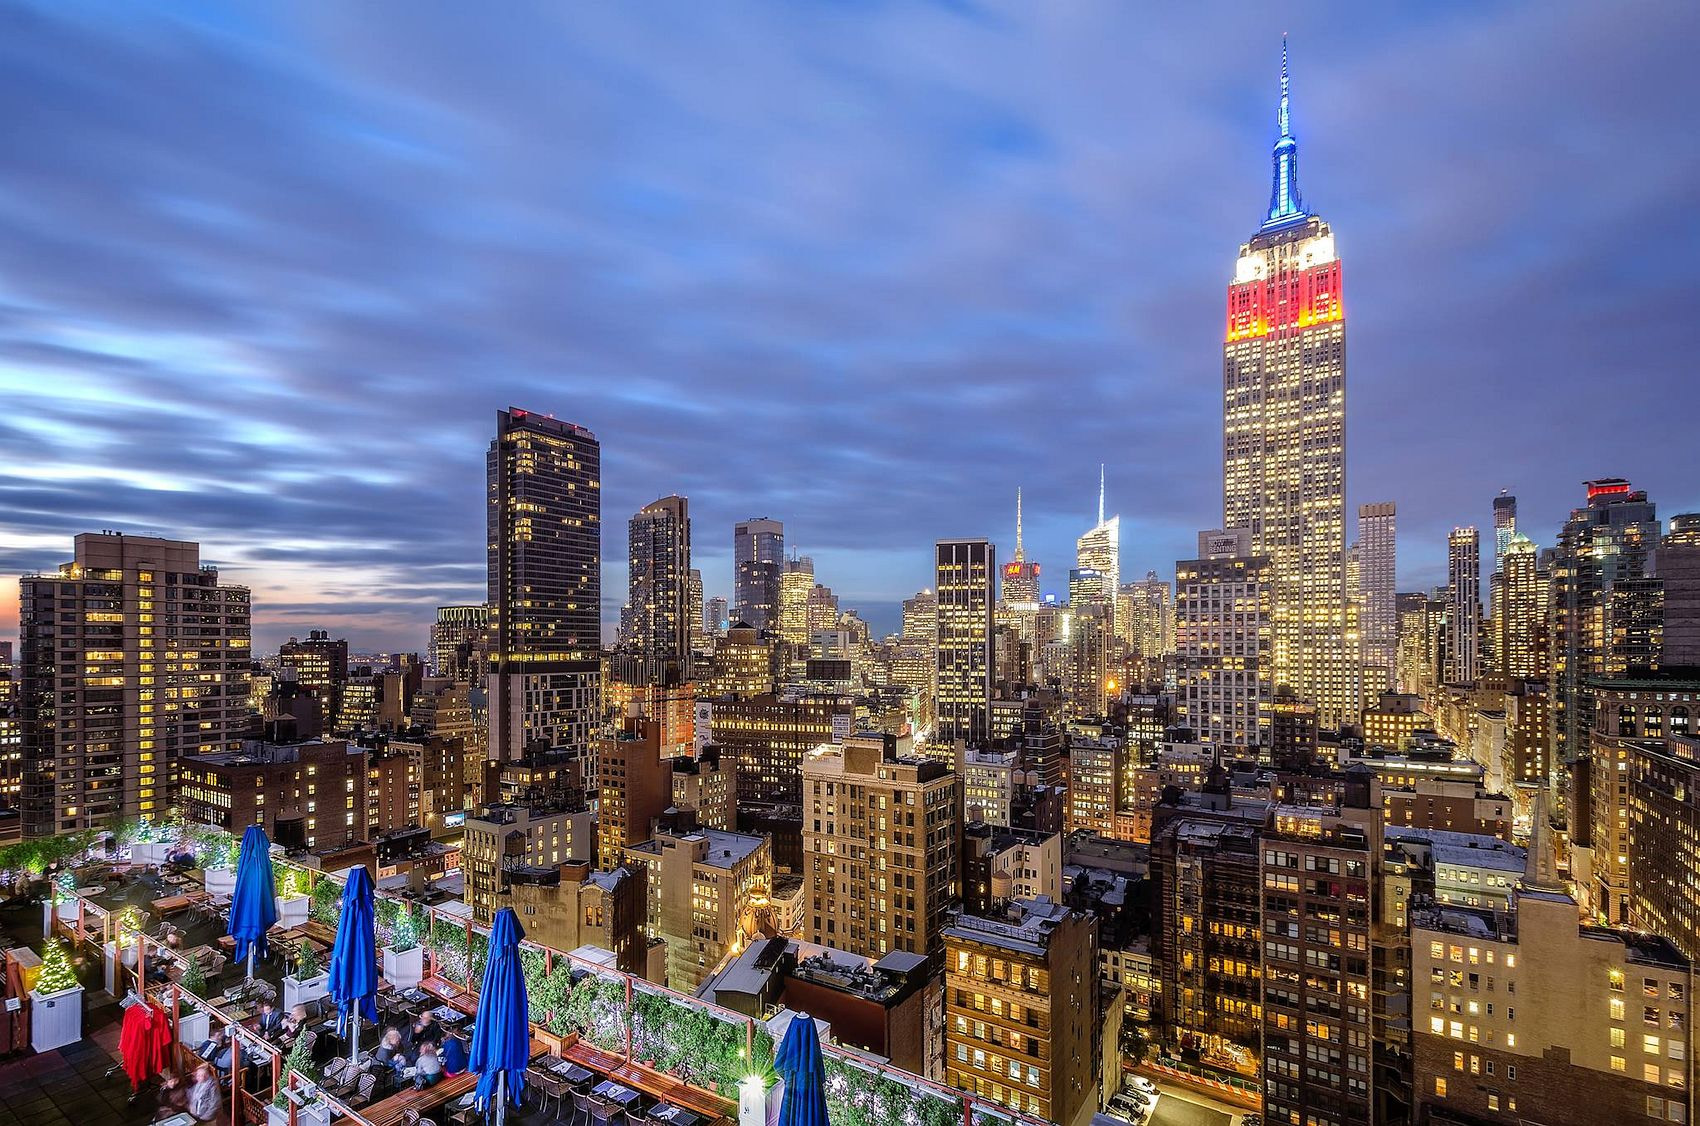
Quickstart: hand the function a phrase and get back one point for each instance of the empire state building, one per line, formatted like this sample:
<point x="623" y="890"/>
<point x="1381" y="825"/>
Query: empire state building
<point x="1284" y="432"/>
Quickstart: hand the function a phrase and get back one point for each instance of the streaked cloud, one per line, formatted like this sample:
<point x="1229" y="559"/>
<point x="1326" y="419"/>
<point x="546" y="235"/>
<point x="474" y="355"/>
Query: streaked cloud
<point x="267" y="273"/>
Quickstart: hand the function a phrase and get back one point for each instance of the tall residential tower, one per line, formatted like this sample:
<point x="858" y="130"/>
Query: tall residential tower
<point x="133" y="657"/>
<point x="966" y="572"/>
<point x="1378" y="624"/>
<point x="1463" y="606"/>
<point x="658" y="588"/>
<point x="545" y="584"/>
<point x="758" y="559"/>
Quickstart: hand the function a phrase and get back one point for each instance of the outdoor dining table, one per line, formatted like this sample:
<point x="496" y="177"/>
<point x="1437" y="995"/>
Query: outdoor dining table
<point x="170" y="903"/>
<point x="674" y="1115"/>
<point x="575" y="1075"/>
<point x="616" y="1093"/>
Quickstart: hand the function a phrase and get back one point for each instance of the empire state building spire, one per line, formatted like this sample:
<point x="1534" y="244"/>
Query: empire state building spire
<point x="1019" y="556"/>
<point x="1286" y="205"/>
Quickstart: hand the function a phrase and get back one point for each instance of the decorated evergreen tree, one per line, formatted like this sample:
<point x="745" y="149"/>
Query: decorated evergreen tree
<point x="56" y="972"/>
<point x="194" y="979"/>
<point x="299" y="1059"/>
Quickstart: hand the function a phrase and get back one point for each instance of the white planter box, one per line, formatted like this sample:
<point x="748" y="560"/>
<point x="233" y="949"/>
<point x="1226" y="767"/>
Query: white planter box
<point x="193" y="1028"/>
<point x="404" y="969"/>
<point x="306" y="1114"/>
<point x="221" y="881"/>
<point x="298" y="992"/>
<point x="292" y="910"/>
<point x="56" y="1019"/>
<point x="150" y="852"/>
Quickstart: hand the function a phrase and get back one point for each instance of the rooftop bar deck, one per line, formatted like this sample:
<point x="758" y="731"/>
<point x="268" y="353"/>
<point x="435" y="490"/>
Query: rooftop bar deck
<point x="674" y="1050"/>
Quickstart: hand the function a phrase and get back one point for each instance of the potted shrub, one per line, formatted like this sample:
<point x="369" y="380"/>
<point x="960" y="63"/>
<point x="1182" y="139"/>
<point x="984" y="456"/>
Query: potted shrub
<point x="148" y="843"/>
<point x="218" y="867"/>
<point x="404" y="958"/>
<point x="309" y="982"/>
<point x="292" y="900"/>
<point x="61" y="901"/>
<point x="122" y="949"/>
<point x="56" y="1002"/>
<point x="308" y="1110"/>
<point x="194" y="978"/>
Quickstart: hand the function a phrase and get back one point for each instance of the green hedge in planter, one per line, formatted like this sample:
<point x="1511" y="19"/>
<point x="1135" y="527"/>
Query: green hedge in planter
<point x="326" y="904"/>
<point x="447" y="942"/>
<point x="857" y="1096"/>
<point x="690" y="1043"/>
<point x="596" y="1010"/>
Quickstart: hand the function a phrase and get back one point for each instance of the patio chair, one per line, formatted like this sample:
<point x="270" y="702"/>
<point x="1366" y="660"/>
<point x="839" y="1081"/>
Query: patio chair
<point x="410" y="1117"/>
<point x="548" y="1086"/>
<point x="604" y="1113"/>
<point x="340" y="1077"/>
<point x="364" y="1087"/>
<point x="581" y="1109"/>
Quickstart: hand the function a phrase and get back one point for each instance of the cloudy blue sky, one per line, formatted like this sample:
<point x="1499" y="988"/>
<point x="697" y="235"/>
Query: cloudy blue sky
<point x="267" y="273"/>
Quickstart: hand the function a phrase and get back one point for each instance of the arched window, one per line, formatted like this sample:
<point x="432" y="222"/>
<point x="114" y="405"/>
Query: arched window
<point x="1626" y="721"/>
<point x="1654" y="723"/>
<point x="1679" y="720"/>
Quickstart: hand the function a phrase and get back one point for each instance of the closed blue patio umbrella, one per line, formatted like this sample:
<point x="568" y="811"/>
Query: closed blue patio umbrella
<point x="799" y="1063"/>
<point x="501" y="1038"/>
<point x="253" y="904"/>
<point x="354" y="958"/>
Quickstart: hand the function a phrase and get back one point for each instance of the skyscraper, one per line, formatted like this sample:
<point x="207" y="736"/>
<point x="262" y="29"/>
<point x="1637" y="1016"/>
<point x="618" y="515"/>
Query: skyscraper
<point x="1504" y="531"/>
<point x="1284" y="430"/>
<point x="1463" y="605"/>
<point x="1378" y="624"/>
<point x="1604" y="545"/>
<point x="1100" y="551"/>
<point x="1504" y="525"/>
<point x="694" y="611"/>
<point x="795" y="583"/>
<point x="545" y="584"/>
<point x="457" y="640"/>
<point x="320" y="665"/>
<point x="1020" y="578"/>
<point x="714" y="617"/>
<point x="967" y="571"/>
<point x="1520" y="619"/>
<point x="758" y="559"/>
<point x="133" y="656"/>
<point x="658" y="588"/>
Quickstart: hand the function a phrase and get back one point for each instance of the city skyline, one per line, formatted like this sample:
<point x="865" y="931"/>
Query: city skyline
<point x="322" y="461"/>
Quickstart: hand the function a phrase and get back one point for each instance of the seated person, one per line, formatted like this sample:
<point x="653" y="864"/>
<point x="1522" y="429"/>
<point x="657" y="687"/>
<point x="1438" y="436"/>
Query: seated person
<point x="215" y="1049"/>
<point x="159" y="968"/>
<point x="426" y="1030"/>
<point x="295" y="1022"/>
<point x="270" y="1021"/>
<point x="453" y="1056"/>
<point x="429" y="1069"/>
<point x="389" y="1053"/>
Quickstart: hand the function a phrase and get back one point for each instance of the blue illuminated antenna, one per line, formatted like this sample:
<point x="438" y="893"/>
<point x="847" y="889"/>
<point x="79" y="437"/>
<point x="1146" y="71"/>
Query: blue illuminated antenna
<point x="1285" y="204"/>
